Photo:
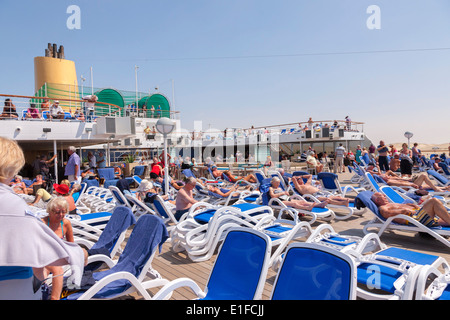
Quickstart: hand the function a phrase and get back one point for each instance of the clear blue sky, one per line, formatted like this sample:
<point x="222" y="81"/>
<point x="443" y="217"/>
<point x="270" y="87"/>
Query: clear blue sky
<point x="238" y="63"/>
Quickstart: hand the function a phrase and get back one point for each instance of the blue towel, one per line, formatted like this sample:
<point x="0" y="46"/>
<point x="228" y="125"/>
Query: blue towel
<point x="121" y="219"/>
<point x="328" y="179"/>
<point x="438" y="176"/>
<point x="139" y="170"/>
<point x="92" y="183"/>
<point x="148" y="233"/>
<point x="106" y="173"/>
<point x="123" y="185"/>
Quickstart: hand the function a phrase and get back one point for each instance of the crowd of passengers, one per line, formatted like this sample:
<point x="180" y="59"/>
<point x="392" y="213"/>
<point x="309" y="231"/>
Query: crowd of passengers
<point x="55" y="111"/>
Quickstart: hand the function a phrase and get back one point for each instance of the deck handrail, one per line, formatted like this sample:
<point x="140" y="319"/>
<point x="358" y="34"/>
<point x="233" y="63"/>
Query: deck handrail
<point x="58" y="99"/>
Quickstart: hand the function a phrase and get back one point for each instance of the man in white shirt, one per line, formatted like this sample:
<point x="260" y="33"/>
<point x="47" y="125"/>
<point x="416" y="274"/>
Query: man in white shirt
<point x="56" y="112"/>
<point x="92" y="160"/>
<point x="339" y="162"/>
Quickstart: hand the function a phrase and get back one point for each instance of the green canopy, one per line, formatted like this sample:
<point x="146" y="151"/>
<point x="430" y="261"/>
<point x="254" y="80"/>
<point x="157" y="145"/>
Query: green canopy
<point x="155" y="100"/>
<point x="108" y="96"/>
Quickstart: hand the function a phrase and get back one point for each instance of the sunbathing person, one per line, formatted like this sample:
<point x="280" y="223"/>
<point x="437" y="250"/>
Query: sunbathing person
<point x="177" y="185"/>
<point x="304" y="188"/>
<point x="18" y="185"/>
<point x="431" y="213"/>
<point x="35" y="185"/>
<point x="216" y="172"/>
<point x="146" y="191"/>
<point x="220" y="191"/>
<point x="276" y="192"/>
<point x="41" y="199"/>
<point x="220" y="175"/>
<point x="88" y="173"/>
<point x="436" y="166"/>
<point x="416" y="182"/>
<point x="249" y="178"/>
<point x="144" y="187"/>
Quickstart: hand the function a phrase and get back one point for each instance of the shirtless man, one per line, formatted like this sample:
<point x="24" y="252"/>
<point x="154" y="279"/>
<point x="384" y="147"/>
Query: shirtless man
<point x="394" y="164"/>
<point x="185" y="198"/>
<point x="431" y="213"/>
<point x="305" y="188"/>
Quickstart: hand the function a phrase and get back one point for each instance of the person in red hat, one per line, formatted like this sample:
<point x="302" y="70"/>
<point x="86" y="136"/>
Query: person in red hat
<point x="63" y="190"/>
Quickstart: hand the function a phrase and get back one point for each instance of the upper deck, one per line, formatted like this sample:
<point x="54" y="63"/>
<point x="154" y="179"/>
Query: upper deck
<point x="108" y="123"/>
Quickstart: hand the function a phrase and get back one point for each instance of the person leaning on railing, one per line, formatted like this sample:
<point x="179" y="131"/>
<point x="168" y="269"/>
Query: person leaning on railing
<point x="9" y="110"/>
<point x="89" y="104"/>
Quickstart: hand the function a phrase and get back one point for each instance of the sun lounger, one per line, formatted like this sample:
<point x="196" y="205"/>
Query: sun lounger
<point x="383" y="224"/>
<point x="313" y="272"/>
<point x="128" y="274"/>
<point x="239" y="272"/>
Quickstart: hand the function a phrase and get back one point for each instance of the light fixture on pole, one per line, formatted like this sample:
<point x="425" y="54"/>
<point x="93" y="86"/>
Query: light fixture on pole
<point x="165" y="126"/>
<point x="408" y="135"/>
<point x="83" y="79"/>
<point x="136" y="78"/>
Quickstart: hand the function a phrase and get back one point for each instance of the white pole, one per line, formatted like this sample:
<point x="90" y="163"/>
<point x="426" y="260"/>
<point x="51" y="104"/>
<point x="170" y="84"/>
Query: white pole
<point x="55" y="161"/>
<point x="108" y="155"/>
<point x="166" y="167"/>
<point x="82" y="84"/>
<point x="92" y="82"/>
<point x="135" y="75"/>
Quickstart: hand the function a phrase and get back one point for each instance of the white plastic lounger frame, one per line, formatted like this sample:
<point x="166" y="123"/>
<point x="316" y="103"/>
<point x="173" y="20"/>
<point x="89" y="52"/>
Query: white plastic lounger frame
<point x="200" y="240"/>
<point x="325" y="214"/>
<point x="139" y="208"/>
<point x="338" y="210"/>
<point x="376" y="265"/>
<point x="438" y="289"/>
<point x="120" y="198"/>
<point x="325" y="235"/>
<point x="438" y="233"/>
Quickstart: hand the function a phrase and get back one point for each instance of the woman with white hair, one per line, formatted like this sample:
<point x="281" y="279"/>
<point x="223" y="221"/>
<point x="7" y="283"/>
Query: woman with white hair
<point x="187" y="164"/>
<point x="28" y="245"/>
<point x="18" y="185"/>
<point x="144" y="187"/>
<point x="57" y="209"/>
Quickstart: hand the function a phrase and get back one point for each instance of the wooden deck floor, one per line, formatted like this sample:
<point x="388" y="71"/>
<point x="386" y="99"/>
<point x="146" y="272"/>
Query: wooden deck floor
<point x="173" y="265"/>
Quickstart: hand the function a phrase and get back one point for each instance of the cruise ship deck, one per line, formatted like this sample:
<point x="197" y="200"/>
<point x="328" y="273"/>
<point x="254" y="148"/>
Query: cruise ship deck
<point x="173" y="265"/>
